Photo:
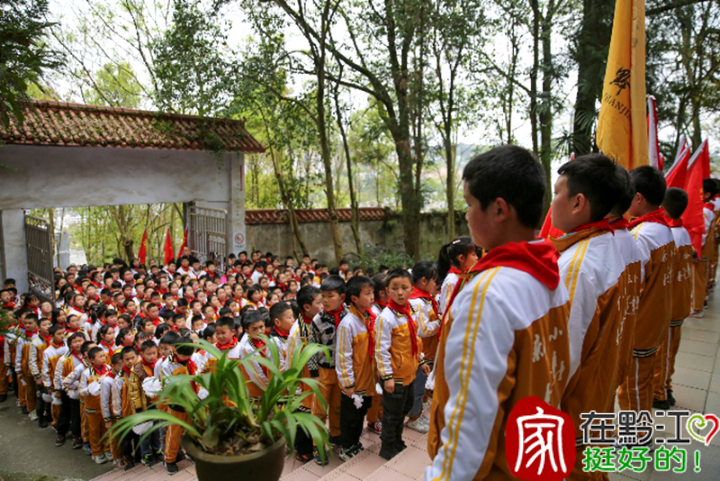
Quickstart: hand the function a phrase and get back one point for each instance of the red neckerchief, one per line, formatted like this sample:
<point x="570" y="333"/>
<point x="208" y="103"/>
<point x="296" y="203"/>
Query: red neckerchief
<point x="30" y="333"/>
<point x="228" y="346"/>
<point x="676" y="222"/>
<point x="406" y="310"/>
<point x="189" y="364"/>
<point x="603" y="224"/>
<point x="109" y="347"/>
<point x="127" y="371"/>
<point x="111" y="374"/>
<point x="8" y="305"/>
<point x="369" y="319"/>
<point x="78" y="357"/>
<point x="77" y="329"/>
<point x="258" y="343"/>
<point x="47" y="339"/>
<point x="336" y="316"/>
<point x="537" y="258"/>
<point x="156" y="321"/>
<point x="418" y="293"/>
<point x="145" y="363"/>
<point x="281" y="333"/>
<point x="619" y="223"/>
<point x="454" y="270"/>
<point x="57" y="346"/>
<point x="306" y="319"/>
<point x="657" y="216"/>
<point x="102" y="371"/>
<point x="381" y="304"/>
<point x="709" y="205"/>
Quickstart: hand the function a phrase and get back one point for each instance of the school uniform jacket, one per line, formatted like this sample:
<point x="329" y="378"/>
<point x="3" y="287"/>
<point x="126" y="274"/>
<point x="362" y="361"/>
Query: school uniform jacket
<point x="709" y="217"/>
<point x="37" y="350"/>
<point x="22" y="356"/>
<point x="51" y="358"/>
<point x="428" y="326"/>
<point x="122" y="404"/>
<point x="393" y="347"/>
<point x="592" y="267"/>
<point x="655" y="307"/>
<point x="256" y="374"/>
<point x="322" y="331"/>
<point x="354" y="366"/>
<point x="446" y="291"/>
<point x="106" y="396"/>
<point x="682" y="291"/>
<point x="300" y="334"/>
<point x="93" y="404"/>
<point x="66" y="366"/>
<point x="71" y="382"/>
<point x="10" y="349"/>
<point x="499" y="351"/>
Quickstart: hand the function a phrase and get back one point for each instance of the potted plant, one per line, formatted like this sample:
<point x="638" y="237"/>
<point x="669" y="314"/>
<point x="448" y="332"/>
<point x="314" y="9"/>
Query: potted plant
<point x="228" y="433"/>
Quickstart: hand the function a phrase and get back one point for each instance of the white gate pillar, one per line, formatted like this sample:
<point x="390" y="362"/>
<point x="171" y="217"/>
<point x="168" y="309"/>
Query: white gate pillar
<point x="14" y="247"/>
<point x="236" y="213"/>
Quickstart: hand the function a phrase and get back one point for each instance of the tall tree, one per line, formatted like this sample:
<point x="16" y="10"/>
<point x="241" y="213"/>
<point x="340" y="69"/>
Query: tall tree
<point x="24" y="53"/>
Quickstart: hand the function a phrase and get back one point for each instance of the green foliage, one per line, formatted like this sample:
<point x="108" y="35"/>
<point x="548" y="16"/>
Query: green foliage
<point x="24" y="53"/>
<point x="228" y="421"/>
<point x="115" y="86"/>
<point x="375" y="256"/>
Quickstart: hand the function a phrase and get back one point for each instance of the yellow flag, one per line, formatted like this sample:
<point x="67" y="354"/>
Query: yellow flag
<point x="622" y="125"/>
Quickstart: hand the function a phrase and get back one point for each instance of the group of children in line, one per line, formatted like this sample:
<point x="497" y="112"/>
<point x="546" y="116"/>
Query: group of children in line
<point x="446" y="347"/>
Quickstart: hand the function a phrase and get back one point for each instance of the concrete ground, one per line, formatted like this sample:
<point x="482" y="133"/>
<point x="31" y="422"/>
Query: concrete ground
<point x="29" y="453"/>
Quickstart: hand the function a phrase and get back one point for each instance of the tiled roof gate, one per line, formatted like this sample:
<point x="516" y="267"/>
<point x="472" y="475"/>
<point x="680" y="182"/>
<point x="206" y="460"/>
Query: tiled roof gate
<point x="68" y="124"/>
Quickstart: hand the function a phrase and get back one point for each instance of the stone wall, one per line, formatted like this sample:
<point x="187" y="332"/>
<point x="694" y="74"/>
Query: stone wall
<point x="387" y="233"/>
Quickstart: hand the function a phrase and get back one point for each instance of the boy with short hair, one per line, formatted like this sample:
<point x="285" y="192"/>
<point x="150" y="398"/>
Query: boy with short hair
<point x="22" y="363"/>
<point x="355" y="363"/>
<point x="122" y="404"/>
<point x="51" y="360"/>
<point x="283" y="319"/>
<point x="398" y="350"/>
<point x="310" y="304"/>
<point x="675" y="203"/>
<point x="70" y="414"/>
<point x="178" y="363"/>
<point x="323" y="331"/>
<point x="591" y="265"/>
<point x="650" y="229"/>
<point x="109" y="414"/>
<point x="257" y="377"/>
<point x="37" y="350"/>
<point x="487" y="358"/>
<point x="150" y="448"/>
<point x="92" y="378"/>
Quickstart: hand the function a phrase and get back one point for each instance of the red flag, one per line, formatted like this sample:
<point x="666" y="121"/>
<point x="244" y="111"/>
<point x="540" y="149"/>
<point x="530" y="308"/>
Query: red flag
<point x="184" y="243"/>
<point x="548" y="230"/>
<point x="654" y="155"/>
<point x="168" y="249"/>
<point x="142" y="253"/>
<point x="675" y="177"/>
<point x="693" y="218"/>
<point x="705" y="159"/>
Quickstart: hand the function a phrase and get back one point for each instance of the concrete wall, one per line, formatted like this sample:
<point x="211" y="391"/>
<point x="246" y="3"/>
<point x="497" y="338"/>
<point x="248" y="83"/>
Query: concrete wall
<point x="388" y="234"/>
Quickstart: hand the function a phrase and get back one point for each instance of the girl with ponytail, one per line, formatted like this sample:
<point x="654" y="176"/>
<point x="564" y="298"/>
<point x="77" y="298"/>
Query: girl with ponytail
<point x="455" y="257"/>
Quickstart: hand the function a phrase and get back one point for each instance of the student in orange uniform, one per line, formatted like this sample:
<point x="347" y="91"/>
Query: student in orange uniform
<point x="51" y="360"/>
<point x="591" y="267"/>
<point x="650" y="229"/>
<point x="177" y="363"/>
<point x="675" y="202"/>
<point x="398" y="350"/>
<point x="355" y="363"/>
<point x="310" y="304"/>
<point x="22" y="363"/>
<point x="113" y="450"/>
<point x="702" y="281"/>
<point x="504" y="190"/>
<point x="37" y="351"/>
<point x="634" y="256"/>
<point x="70" y="414"/>
<point x="92" y="377"/>
<point x="423" y="300"/>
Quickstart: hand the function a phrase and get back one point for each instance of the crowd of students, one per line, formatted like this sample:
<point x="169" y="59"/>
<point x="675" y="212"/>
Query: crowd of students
<point x="575" y="320"/>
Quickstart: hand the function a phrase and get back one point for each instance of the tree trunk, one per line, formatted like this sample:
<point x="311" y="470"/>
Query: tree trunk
<point x="593" y="41"/>
<point x="450" y="158"/>
<point x="354" y="207"/>
<point x="534" y="74"/>
<point x="546" y="115"/>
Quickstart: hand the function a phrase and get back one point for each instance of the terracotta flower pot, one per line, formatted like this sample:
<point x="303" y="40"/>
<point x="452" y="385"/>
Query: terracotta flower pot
<point x="265" y="465"/>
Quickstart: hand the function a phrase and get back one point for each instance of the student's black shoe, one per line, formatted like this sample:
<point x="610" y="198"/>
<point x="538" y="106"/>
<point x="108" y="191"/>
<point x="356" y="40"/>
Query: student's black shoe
<point x="358" y="447"/>
<point x="3" y="398"/>
<point x="671" y="398"/>
<point x="171" y="468"/>
<point x="159" y="456"/>
<point x="43" y="423"/>
<point x="77" y="443"/>
<point x="11" y="387"/>
<point x="59" y="441"/>
<point x="318" y="460"/>
<point x="661" y="405"/>
<point x="335" y="440"/>
<point x="24" y="409"/>
<point x="388" y="452"/>
<point x="180" y="456"/>
<point x="129" y="463"/>
<point x="148" y="460"/>
<point x="400" y="445"/>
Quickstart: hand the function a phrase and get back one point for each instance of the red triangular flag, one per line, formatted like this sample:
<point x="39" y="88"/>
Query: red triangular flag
<point x="142" y="253"/>
<point x="705" y="159"/>
<point x="693" y="218"/>
<point x="168" y="249"/>
<point x="675" y="177"/>
<point x="184" y="243"/>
